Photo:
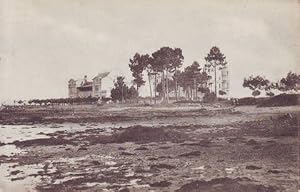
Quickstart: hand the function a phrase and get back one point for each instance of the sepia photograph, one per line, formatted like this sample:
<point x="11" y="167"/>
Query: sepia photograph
<point x="149" y="96"/>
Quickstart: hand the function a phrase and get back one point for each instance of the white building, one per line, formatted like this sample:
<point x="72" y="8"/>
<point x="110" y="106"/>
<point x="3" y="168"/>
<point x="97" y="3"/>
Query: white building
<point x="221" y="77"/>
<point x="85" y="88"/>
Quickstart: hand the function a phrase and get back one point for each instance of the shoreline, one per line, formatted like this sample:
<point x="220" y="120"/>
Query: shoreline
<point x="163" y="150"/>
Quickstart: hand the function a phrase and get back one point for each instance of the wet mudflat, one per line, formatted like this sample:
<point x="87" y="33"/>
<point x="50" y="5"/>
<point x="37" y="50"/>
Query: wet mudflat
<point x="197" y="149"/>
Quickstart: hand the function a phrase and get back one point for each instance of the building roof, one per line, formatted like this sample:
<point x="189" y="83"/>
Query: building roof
<point x="101" y="75"/>
<point x="86" y="84"/>
<point x="71" y="80"/>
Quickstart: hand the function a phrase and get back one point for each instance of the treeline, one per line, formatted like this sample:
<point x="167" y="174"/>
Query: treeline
<point x="259" y="84"/>
<point x="164" y="67"/>
<point x="161" y="63"/>
<point x="61" y="101"/>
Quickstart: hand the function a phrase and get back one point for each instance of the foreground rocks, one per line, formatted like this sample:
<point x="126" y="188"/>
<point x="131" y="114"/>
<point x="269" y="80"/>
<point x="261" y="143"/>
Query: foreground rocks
<point x="244" y="155"/>
<point x="224" y="184"/>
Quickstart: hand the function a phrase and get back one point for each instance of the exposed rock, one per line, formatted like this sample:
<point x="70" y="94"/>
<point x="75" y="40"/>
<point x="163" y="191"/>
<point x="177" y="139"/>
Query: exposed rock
<point x="160" y="184"/>
<point x="224" y="184"/>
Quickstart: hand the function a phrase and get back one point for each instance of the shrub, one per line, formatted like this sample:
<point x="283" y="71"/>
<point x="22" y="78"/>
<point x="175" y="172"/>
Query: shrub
<point x="222" y="92"/>
<point x="281" y="100"/>
<point x="209" y="97"/>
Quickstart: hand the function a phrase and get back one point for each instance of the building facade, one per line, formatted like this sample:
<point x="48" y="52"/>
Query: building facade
<point x="220" y="77"/>
<point x="84" y="88"/>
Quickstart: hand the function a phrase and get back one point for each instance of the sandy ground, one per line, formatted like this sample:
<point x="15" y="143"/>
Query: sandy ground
<point x="180" y="148"/>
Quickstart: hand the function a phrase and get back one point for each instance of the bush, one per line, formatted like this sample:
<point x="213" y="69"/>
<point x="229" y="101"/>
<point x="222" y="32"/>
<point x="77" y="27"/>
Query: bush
<point x="256" y="93"/>
<point x="246" y="101"/>
<point x="281" y="100"/>
<point x="270" y="94"/>
<point x="203" y="89"/>
<point x="186" y="101"/>
<point x="251" y="100"/>
<point x="222" y="92"/>
<point x="209" y="97"/>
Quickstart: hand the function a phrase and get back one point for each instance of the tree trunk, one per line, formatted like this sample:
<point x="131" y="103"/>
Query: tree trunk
<point x="176" y="86"/>
<point x="137" y="90"/>
<point x="195" y="88"/>
<point x="167" y="86"/>
<point x="187" y="93"/>
<point x="163" y="86"/>
<point x="155" y="88"/>
<point x="122" y="94"/>
<point x="192" y="93"/>
<point x="150" y="87"/>
<point x="216" y="80"/>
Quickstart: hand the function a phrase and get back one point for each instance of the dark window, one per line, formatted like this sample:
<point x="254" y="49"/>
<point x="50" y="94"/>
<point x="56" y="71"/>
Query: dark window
<point x="85" y="88"/>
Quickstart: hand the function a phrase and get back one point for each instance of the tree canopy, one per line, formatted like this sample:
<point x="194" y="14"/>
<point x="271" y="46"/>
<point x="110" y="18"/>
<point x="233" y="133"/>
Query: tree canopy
<point x="137" y="67"/>
<point x="255" y="83"/>
<point x="121" y="92"/>
<point x="215" y="57"/>
<point x="290" y="82"/>
<point x="192" y="74"/>
<point x="168" y="59"/>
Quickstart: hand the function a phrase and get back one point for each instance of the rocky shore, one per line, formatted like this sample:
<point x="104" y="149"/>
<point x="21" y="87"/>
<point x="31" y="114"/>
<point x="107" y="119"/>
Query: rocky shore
<point x="152" y="149"/>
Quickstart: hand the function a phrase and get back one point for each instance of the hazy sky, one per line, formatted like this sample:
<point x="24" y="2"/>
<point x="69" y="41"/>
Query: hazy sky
<point x="44" y="43"/>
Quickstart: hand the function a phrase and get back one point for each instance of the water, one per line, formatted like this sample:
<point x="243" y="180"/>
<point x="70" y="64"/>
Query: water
<point x="23" y="182"/>
<point x="10" y="150"/>
<point x="11" y="133"/>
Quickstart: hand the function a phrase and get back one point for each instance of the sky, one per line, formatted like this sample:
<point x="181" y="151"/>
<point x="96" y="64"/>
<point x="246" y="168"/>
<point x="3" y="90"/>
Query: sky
<point x="44" y="43"/>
